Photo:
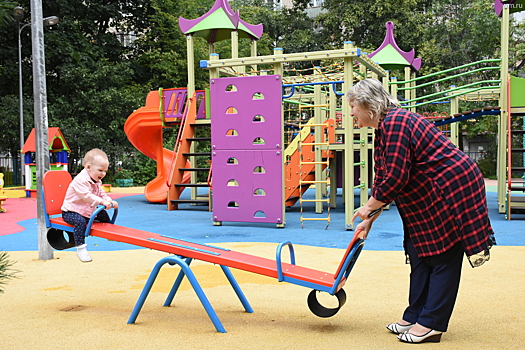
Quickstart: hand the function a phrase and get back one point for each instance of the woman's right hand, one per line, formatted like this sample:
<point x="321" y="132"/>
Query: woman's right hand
<point x="364" y="226"/>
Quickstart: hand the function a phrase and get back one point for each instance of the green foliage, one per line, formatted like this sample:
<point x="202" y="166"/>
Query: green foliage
<point x="459" y="33"/>
<point x="6" y="12"/>
<point x="6" y="270"/>
<point x="289" y="28"/>
<point x="363" y="21"/>
<point x="487" y="167"/>
<point x="140" y="168"/>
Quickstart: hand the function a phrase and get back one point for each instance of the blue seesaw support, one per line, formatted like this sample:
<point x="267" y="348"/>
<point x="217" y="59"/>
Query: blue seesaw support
<point x="55" y="185"/>
<point x="186" y="271"/>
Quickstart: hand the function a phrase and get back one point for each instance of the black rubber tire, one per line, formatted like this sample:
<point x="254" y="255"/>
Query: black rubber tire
<point x="58" y="241"/>
<point x="321" y="311"/>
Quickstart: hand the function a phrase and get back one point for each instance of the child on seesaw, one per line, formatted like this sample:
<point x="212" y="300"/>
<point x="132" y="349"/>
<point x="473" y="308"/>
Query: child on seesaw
<point x="83" y="196"/>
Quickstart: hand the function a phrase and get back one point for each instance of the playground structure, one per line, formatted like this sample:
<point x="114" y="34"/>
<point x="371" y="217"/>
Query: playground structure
<point x="321" y="147"/>
<point x="58" y="154"/>
<point x="55" y="184"/>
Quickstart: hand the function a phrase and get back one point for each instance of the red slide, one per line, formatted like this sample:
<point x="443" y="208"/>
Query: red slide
<point x="144" y="130"/>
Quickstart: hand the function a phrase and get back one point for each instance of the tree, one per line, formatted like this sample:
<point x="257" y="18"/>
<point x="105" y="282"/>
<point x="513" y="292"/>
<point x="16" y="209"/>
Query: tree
<point x="363" y="21"/>
<point x="6" y="12"/>
<point x="91" y="81"/>
<point x="460" y="33"/>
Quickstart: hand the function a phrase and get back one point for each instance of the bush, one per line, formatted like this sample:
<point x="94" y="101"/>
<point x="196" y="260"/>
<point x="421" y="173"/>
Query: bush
<point x="488" y="167"/>
<point x="6" y="272"/>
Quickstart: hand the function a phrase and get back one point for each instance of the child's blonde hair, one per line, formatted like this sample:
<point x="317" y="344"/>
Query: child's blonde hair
<point x="91" y="156"/>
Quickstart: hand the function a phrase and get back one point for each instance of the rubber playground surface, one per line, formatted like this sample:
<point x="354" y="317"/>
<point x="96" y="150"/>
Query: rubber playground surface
<point x="65" y="304"/>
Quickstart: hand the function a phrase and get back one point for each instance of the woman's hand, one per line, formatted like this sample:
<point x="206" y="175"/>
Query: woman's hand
<point x="362" y="212"/>
<point x="364" y="226"/>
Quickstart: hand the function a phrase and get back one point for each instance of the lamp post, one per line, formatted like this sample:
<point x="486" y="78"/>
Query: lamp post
<point x="48" y="21"/>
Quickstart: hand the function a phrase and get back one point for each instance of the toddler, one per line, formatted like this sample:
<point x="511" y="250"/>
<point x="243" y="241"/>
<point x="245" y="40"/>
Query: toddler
<point x="83" y="196"/>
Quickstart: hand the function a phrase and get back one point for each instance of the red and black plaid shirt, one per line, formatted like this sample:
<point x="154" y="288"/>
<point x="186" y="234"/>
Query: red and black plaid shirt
<point x="439" y="191"/>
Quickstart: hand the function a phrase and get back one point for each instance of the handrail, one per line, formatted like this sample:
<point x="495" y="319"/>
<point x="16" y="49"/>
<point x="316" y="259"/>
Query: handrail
<point x="444" y="79"/>
<point x="454" y="95"/>
<point x="454" y="89"/>
<point x="312" y="83"/>
<point x="444" y="71"/>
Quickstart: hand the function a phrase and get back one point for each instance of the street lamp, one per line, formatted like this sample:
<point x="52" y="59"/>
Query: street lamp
<point x="48" y="21"/>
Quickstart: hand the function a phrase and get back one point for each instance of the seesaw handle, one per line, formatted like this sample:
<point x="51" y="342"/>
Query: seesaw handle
<point x="94" y="215"/>
<point x="280" y="276"/>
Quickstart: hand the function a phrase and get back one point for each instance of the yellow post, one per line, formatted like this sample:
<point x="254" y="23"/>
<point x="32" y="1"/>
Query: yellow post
<point x="454" y="127"/>
<point x="413" y="91"/>
<point x="407" y="85"/>
<point x="505" y="109"/>
<point x="278" y="67"/>
<point x="191" y="65"/>
<point x="214" y="72"/>
<point x="235" y="50"/>
<point x="348" y="154"/>
<point x="253" y="53"/>
<point x="393" y="87"/>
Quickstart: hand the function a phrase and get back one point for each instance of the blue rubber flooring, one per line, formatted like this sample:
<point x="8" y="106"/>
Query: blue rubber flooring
<point x="194" y="223"/>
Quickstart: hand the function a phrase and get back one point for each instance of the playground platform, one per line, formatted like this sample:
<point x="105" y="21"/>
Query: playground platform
<point x="63" y="303"/>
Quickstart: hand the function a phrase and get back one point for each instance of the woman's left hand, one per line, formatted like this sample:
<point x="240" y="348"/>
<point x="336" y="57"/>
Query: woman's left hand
<point x="362" y="213"/>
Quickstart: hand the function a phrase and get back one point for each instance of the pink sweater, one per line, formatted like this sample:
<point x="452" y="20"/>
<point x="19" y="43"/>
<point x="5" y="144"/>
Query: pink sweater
<point x="83" y="195"/>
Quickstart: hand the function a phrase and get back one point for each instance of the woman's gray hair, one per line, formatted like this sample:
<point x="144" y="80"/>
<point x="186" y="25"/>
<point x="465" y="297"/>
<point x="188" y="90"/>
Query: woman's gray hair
<point x="372" y="96"/>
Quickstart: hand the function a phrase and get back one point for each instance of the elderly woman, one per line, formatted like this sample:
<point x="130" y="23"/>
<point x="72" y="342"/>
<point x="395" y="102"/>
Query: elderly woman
<point x="440" y="195"/>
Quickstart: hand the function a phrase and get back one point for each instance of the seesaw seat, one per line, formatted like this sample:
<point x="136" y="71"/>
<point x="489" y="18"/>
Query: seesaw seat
<point x="55" y="184"/>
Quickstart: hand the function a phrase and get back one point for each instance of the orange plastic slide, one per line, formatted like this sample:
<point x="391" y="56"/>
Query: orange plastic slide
<point x="144" y="130"/>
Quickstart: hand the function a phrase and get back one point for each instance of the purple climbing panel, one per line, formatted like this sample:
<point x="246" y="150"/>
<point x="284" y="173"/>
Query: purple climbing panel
<point x="247" y="156"/>
<point x="174" y="102"/>
<point x="251" y="112"/>
<point x="242" y="192"/>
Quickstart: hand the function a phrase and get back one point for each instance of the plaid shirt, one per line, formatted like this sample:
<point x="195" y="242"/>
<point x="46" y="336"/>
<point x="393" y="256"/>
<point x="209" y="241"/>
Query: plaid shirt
<point x="439" y="191"/>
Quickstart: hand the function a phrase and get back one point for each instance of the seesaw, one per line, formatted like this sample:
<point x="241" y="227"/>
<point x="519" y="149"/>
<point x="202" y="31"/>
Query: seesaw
<point x="55" y="185"/>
